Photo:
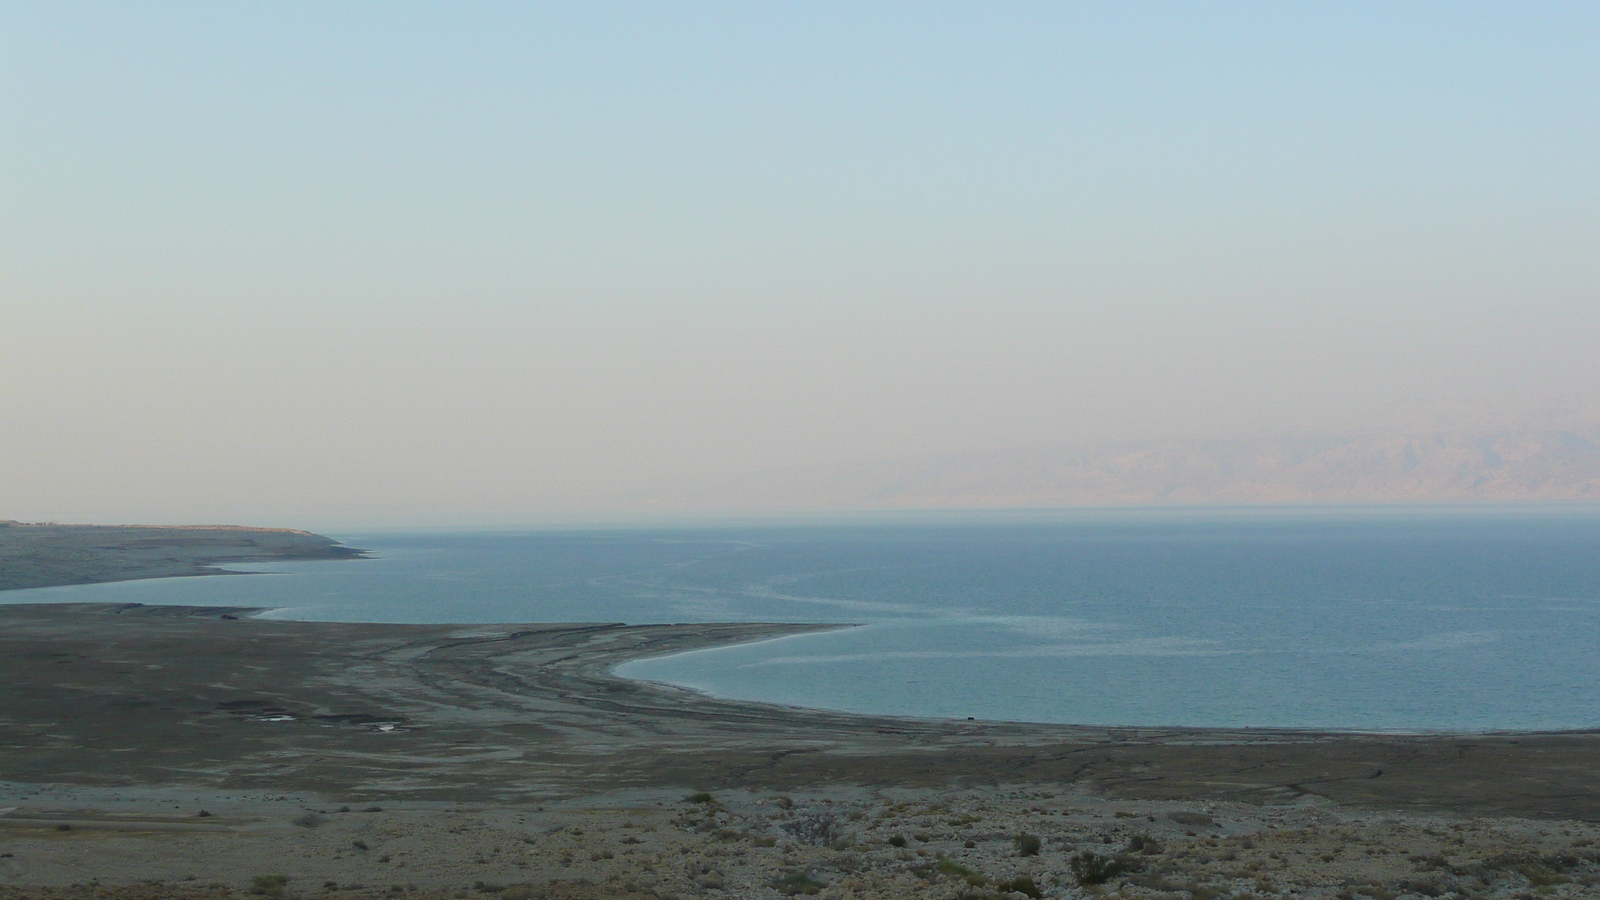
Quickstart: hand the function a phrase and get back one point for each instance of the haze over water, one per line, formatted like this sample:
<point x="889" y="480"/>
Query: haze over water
<point x="349" y="266"/>
<point x="1373" y="619"/>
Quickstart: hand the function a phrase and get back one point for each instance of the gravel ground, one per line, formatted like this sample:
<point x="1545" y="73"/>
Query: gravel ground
<point x="845" y="842"/>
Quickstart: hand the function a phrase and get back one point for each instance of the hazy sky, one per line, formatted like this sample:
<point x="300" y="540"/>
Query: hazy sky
<point x="399" y="262"/>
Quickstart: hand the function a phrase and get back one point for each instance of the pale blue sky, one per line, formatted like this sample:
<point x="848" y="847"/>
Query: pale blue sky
<point x="494" y="261"/>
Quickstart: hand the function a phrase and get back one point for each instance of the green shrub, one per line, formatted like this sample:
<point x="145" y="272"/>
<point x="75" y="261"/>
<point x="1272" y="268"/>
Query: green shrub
<point x="898" y="840"/>
<point x="1144" y="843"/>
<point x="269" y="885"/>
<point x="1022" y="883"/>
<point x="798" y="883"/>
<point x="1091" y="868"/>
<point x="700" y="797"/>
<point x="951" y="867"/>
<point x="1027" y="844"/>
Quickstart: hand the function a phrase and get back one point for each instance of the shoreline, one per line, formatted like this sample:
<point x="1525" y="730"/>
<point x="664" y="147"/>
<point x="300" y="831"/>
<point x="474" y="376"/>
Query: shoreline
<point x="300" y="705"/>
<point x="1208" y="729"/>
<point x="189" y="755"/>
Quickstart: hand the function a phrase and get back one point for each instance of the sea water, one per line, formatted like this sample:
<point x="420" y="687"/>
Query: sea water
<point x="1370" y="619"/>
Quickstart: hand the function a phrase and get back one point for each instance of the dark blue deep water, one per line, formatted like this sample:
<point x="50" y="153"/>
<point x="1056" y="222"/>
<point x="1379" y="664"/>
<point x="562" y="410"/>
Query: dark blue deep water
<point x="1377" y="619"/>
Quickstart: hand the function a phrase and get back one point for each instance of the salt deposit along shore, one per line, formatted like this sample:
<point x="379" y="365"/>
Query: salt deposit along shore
<point x="507" y="761"/>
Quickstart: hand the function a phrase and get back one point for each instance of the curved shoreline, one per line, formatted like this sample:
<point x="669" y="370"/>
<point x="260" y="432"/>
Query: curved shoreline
<point x="457" y="758"/>
<point x="1286" y="729"/>
<point x="111" y="694"/>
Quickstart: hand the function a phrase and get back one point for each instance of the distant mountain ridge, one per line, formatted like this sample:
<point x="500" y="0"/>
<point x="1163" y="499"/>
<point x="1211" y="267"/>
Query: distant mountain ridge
<point x="1428" y="466"/>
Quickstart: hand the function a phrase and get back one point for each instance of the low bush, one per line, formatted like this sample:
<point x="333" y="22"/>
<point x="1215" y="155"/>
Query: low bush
<point x="1090" y="868"/>
<point x="951" y="867"/>
<point x="1144" y="843"/>
<point x="797" y="883"/>
<point x="820" y="829"/>
<point x="1027" y="844"/>
<point x="269" y="885"/>
<point x="1022" y="884"/>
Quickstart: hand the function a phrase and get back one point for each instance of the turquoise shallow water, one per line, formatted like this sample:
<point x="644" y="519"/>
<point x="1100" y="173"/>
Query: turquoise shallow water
<point x="1358" y="619"/>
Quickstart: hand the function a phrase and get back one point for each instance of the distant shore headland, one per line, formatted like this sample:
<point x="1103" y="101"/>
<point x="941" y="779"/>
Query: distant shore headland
<point x="34" y="555"/>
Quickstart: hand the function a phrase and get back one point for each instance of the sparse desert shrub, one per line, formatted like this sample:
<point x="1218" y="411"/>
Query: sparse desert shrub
<point x="898" y="840"/>
<point x="1026" y="844"/>
<point x="269" y="885"/>
<point x="1023" y="884"/>
<point x="1090" y="868"/>
<point x="1539" y="876"/>
<point x="700" y="797"/>
<point x="309" y="820"/>
<point x="821" y="830"/>
<point x="951" y="867"/>
<point x="1144" y="843"/>
<point x="797" y="883"/>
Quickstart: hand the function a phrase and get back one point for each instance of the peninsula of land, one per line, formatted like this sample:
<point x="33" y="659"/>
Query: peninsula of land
<point x="46" y="555"/>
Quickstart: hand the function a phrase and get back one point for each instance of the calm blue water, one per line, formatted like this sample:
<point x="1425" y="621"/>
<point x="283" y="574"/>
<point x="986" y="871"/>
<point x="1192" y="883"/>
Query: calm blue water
<point x="1364" y="619"/>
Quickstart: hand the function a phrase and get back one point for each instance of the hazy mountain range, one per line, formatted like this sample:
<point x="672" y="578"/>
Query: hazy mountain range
<point x="1554" y="455"/>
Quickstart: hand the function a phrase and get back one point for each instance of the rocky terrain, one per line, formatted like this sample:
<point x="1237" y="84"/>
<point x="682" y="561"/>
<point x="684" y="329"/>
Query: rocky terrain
<point x="844" y="841"/>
